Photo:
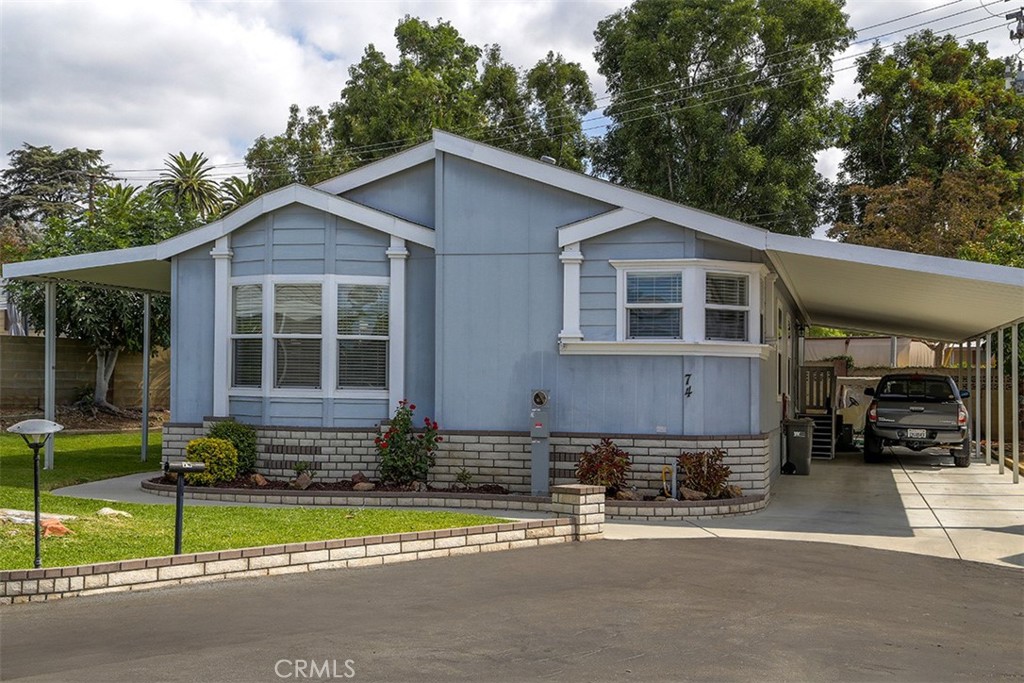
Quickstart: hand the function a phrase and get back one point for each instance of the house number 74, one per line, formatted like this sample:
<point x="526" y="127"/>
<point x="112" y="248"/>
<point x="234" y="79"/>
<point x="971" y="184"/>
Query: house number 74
<point x="687" y="389"/>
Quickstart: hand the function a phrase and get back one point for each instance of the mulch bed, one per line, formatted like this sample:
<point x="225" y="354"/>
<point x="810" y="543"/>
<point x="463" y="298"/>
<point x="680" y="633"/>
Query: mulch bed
<point x="346" y="485"/>
<point x="78" y="419"/>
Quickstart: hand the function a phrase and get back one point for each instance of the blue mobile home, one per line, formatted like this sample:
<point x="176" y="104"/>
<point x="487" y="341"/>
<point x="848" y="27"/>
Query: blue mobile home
<point x="462" y="277"/>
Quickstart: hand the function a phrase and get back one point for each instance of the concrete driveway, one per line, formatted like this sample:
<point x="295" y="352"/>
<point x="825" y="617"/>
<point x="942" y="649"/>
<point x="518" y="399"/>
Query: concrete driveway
<point x="911" y="503"/>
<point x="667" y="610"/>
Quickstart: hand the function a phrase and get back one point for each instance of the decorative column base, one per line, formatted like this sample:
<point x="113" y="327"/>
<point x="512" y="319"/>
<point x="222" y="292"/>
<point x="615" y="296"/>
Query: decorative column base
<point x="585" y="504"/>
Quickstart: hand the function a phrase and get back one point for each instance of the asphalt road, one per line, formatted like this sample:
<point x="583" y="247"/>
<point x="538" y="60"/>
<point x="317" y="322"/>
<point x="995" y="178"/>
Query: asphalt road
<point x="707" y="609"/>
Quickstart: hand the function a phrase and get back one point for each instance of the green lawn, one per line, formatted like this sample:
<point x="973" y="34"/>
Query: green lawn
<point x="150" y="530"/>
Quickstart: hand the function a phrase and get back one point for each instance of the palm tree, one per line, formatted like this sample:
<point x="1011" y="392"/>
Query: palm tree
<point x="122" y="198"/>
<point x="236" y="191"/>
<point x="188" y="183"/>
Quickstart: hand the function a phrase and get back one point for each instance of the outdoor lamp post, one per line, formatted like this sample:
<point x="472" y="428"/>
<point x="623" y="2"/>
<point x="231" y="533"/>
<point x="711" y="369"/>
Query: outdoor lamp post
<point x="35" y="433"/>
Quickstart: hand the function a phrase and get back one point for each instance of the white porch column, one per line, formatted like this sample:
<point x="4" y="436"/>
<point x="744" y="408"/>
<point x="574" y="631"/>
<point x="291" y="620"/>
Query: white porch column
<point x="572" y="260"/>
<point x="221" y="254"/>
<point x="1002" y="401"/>
<point x="397" y="256"/>
<point x="50" y="368"/>
<point x="145" y="375"/>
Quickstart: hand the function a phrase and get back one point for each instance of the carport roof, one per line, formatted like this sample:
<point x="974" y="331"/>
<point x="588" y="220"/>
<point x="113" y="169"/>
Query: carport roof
<point x="834" y="284"/>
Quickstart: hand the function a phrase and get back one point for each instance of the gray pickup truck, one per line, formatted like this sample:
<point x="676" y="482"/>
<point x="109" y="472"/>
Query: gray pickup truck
<point x="918" y="412"/>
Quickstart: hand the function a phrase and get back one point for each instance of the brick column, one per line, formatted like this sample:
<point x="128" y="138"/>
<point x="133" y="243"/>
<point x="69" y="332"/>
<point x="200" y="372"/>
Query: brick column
<point x="585" y="504"/>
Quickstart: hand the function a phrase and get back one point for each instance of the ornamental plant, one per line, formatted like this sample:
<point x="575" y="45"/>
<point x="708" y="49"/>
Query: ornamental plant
<point x="705" y="471"/>
<point x="406" y="455"/>
<point x="606" y="465"/>
<point x="220" y="457"/>
<point x="242" y="437"/>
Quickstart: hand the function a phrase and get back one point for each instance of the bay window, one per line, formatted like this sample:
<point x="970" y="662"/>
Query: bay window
<point x="362" y="336"/>
<point x="247" y="335"/>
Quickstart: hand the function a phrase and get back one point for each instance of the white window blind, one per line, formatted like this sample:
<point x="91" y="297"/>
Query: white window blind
<point x="363" y="329"/>
<point x="727" y="306"/>
<point x="654" y="305"/>
<point x="247" y="336"/>
<point x="297" y="335"/>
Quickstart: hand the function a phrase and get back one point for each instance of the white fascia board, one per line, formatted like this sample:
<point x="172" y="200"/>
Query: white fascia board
<point x="900" y="260"/>
<point x="379" y="169"/>
<point x="598" y="225"/>
<point x="98" y="259"/>
<point x="602" y="190"/>
<point x="298" y="194"/>
<point x="663" y="348"/>
<point x="780" y="268"/>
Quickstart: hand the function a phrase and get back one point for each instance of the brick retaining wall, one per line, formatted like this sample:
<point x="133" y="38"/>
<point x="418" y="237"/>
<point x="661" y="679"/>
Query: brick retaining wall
<point x="583" y="507"/>
<point x="489" y="457"/>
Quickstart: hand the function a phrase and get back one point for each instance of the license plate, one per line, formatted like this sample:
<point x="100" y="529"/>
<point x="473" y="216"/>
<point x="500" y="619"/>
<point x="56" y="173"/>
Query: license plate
<point x="917" y="433"/>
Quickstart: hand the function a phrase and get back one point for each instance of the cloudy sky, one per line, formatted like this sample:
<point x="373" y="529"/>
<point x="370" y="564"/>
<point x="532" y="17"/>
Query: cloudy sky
<point x="141" y="79"/>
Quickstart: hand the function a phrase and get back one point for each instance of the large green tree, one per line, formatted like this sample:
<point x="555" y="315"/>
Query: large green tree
<point x="188" y="183"/>
<point x="42" y="183"/>
<point x="935" y="150"/>
<point x="438" y="81"/>
<point x="723" y="106"/>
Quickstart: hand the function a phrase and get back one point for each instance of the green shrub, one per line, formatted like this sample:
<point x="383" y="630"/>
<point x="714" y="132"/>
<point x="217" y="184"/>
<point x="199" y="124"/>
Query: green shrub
<point x="406" y="456"/>
<point x="242" y="437"/>
<point x="220" y="457"/>
<point x="607" y="465"/>
<point x="704" y="471"/>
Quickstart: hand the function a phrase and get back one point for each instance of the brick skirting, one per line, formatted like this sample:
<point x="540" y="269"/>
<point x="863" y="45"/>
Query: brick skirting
<point x="489" y="457"/>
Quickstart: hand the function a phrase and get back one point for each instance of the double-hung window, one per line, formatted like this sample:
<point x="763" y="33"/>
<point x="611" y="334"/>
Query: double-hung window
<point x="654" y="305"/>
<point x="363" y="329"/>
<point x="297" y="335"/>
<point x="247" y="336"/>
<point x="726" y="307"/>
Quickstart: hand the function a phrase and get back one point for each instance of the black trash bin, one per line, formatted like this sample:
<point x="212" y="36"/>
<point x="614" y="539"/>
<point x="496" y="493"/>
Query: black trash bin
<point x="799" y="438"/>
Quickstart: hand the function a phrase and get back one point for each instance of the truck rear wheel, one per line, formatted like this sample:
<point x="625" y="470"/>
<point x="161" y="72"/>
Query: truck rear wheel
<point x="872" y="447"/>
<point x="962" y="455"/>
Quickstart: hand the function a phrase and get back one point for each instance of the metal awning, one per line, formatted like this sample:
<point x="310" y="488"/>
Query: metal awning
<point x="895" y="293"/>
<point x="137" y="269"/>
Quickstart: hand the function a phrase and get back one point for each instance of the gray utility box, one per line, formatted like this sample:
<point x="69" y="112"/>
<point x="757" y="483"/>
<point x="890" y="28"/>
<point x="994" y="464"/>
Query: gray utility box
<point x="799" y="438"/>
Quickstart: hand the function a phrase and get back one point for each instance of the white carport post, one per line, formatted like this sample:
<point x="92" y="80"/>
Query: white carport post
<point x="50" y="369"/>
<point x="988" y="398"/>
<point x="977" y="397"/>
<point x="145" y="375"/>
<point x="1002" y="401"/>
<point x="1015" y="384"/>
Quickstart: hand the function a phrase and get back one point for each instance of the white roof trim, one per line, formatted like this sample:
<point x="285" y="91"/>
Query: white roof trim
<point x="379" y="169"/>
<point x="602" y="190"/>
<point x="297" y="194"/>
<point x="598" y="225"/>
<point x="58" y="264"/>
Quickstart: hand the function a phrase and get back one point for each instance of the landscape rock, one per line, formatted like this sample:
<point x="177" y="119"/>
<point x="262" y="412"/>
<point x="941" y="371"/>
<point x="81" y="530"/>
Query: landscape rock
<point x="364" y="486"/>
<point x="259" y="480"/>
<point x="28" y="517"/>
<point x="417" y="486"/>
<point x="53" y="527"/>
<point x="690" y="494"/>
<point x="111" y="512"/>
<point x="733" y="491"/>
<point x="660" y="498"/>
<point x="625" y="495"/>
<point x="359" y="478"/>
<point x="303" y="481"/>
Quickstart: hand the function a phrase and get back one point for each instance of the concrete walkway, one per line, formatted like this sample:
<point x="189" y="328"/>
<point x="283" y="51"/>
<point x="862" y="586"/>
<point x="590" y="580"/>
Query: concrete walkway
<point x="913" y="503"/>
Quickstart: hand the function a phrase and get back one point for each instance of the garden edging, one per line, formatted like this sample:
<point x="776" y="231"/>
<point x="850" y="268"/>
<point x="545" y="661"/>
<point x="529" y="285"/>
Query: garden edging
<point x="614" y="509"/>
<point x="581" y="518"/>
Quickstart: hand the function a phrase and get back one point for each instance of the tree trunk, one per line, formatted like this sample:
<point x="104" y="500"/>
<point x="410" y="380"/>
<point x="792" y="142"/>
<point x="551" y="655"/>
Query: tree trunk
<point x="106" y="360"/>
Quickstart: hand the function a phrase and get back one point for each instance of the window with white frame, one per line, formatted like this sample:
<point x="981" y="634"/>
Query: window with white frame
<point x="247" y="336"/>
<point x="297" y="335"/>
<point x="363" y="331"/>
<point x="654" y="305"/>
<point x="726" y="307"/>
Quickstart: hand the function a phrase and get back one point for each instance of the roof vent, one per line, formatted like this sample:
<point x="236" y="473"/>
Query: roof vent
<point x="548" y="160"/>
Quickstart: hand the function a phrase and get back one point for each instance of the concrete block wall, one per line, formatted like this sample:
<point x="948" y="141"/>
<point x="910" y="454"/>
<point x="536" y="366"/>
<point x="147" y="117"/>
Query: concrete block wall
<point x="489" y="457"/>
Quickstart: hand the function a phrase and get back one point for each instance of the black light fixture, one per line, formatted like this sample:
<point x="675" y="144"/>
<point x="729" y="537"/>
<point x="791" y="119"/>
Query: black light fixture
<point x="35" y="433"/>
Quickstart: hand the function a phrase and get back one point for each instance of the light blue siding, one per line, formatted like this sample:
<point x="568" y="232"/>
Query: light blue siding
<point x="419" y="329"/>
<point x="249" y="248"/>
<point x="726" y="251"/>
<point x="360" y="250"/>
<point x="408" y="194"/>
<point x="192" y="294"/>
<point x="246" y="409"/>
<point x="298" y="240"/>
<point x="357" y="413"/>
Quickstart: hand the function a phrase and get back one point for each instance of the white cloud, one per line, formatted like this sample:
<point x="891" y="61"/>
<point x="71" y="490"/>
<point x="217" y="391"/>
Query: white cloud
<point x="143" y="79"/>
